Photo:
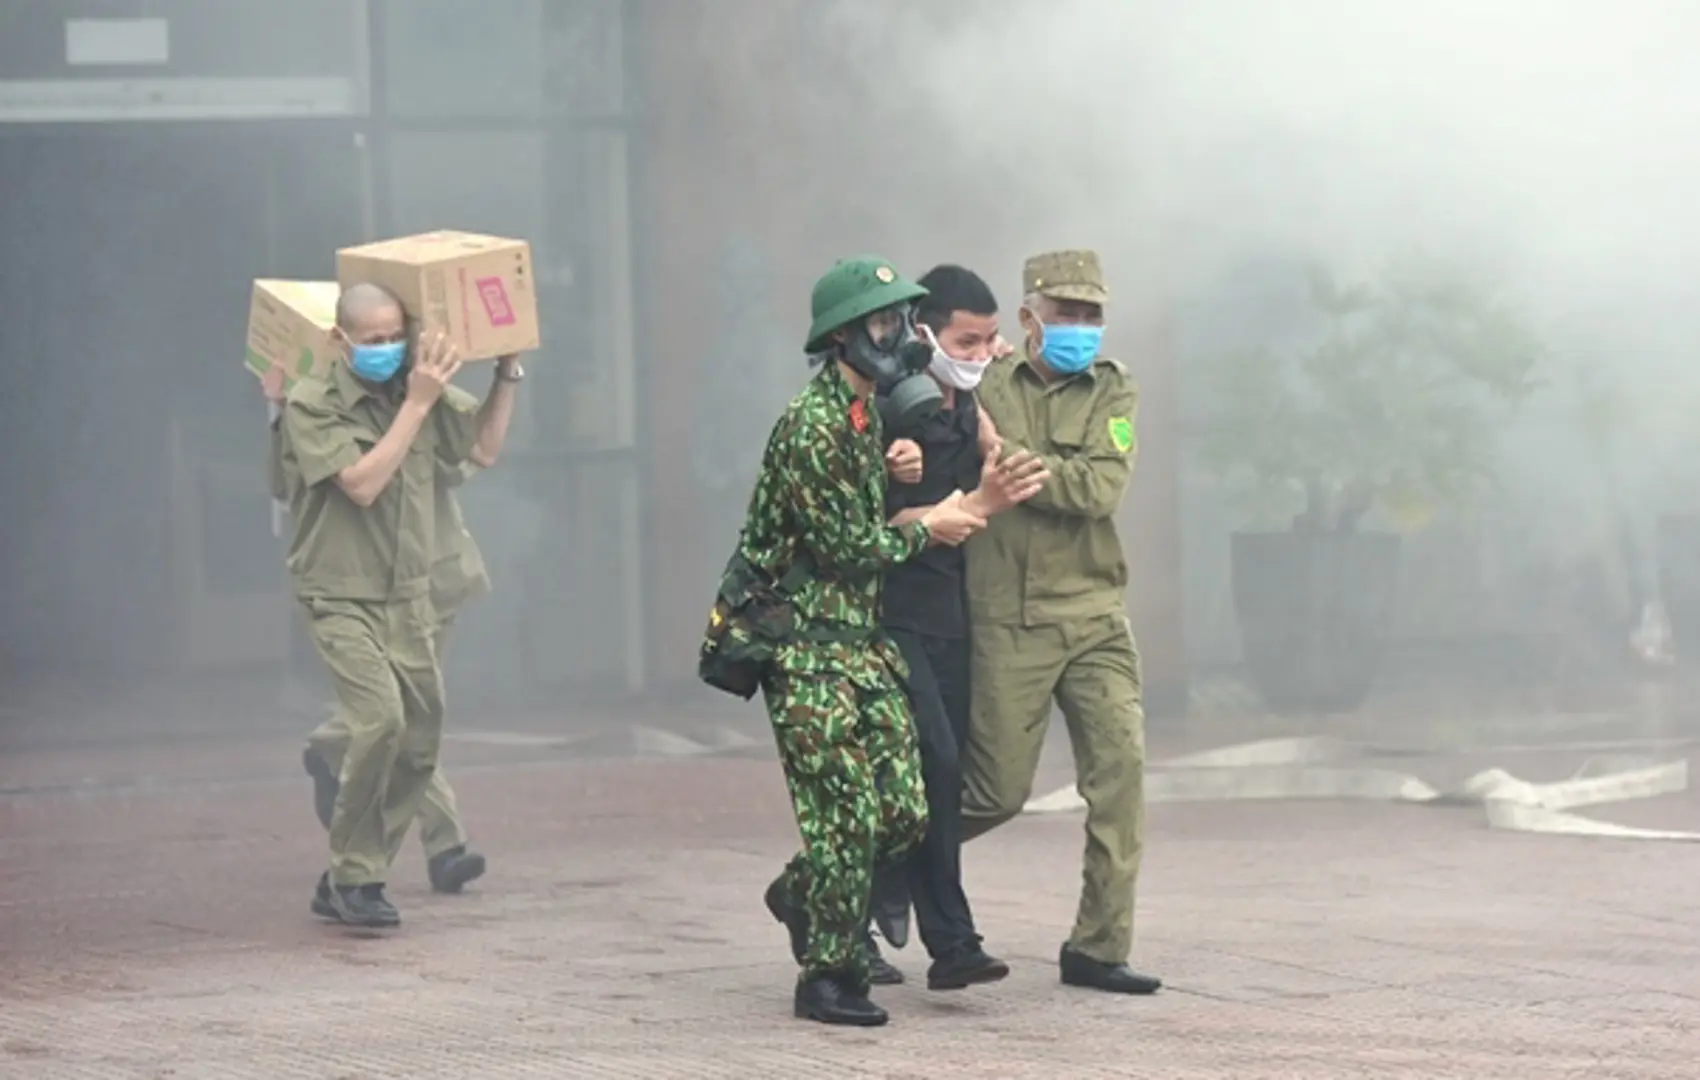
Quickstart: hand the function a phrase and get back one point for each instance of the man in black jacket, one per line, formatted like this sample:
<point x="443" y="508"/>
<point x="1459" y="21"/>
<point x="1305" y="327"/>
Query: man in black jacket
<point x="926" y="614"/>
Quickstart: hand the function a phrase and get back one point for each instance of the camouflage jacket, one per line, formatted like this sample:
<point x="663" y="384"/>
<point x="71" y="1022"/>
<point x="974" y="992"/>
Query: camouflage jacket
<point x="821" y="489"/>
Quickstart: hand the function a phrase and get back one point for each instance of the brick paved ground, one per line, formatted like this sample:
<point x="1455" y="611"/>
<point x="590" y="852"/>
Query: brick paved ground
<point x="161" y="931"/>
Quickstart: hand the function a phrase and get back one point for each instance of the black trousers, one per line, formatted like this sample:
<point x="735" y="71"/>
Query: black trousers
<point x="938" y="696"/>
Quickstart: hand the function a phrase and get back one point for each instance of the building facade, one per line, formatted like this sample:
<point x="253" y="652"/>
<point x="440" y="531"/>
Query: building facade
<point x="158" y="156"/>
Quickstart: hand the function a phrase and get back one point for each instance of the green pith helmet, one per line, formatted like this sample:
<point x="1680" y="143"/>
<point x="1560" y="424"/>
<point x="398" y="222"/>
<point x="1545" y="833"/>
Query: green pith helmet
<point x="853" y="288"/>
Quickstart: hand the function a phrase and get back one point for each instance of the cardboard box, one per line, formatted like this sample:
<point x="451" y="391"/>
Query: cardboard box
<point x="477" y="289"/>
<point x="289" y="326"/>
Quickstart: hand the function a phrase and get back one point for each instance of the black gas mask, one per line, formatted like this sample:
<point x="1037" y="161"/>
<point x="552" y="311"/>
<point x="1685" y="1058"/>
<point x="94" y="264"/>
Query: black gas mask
<point x="884" y="348"/>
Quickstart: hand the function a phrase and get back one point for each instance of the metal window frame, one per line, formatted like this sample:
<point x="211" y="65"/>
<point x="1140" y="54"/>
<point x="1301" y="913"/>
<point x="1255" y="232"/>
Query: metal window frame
<point x="193" y="99"/>
<point x="552" y="125"/>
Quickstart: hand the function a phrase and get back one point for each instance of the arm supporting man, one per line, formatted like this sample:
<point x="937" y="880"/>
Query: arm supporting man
<point x="1091" y="483"/>
<point x="1005" y="481"/>
<point x="838" y="524"/>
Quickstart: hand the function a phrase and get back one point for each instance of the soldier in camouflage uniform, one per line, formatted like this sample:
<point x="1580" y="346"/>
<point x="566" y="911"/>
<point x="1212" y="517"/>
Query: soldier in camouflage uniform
<point x="833" y="686"/>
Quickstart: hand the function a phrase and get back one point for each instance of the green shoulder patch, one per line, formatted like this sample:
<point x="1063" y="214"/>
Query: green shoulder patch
<point x="1121" y="433"/>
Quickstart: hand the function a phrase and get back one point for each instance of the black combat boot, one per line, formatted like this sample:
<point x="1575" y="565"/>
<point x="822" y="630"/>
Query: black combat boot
<point x="325" y="899"/>
<point x="832" y="999"/>
<point x="880" y="971"/>
<point x="450" y="870"/>
<point x="1078" y="969"/>
<point x="794" y="918"/>
<point x="968" y="965"/>
<point x="325" y="784"/>
<point x="364" y="906"/>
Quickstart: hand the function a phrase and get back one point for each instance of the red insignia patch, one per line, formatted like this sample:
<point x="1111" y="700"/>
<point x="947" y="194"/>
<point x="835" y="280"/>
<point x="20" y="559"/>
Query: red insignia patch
<point x="859" y="416"/>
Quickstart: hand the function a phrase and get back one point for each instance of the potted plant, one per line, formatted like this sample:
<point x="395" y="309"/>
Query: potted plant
<point x="1388" y="401"/>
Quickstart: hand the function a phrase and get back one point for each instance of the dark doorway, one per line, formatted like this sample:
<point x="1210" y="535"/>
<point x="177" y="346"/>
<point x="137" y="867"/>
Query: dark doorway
<point x="128" y="256"/>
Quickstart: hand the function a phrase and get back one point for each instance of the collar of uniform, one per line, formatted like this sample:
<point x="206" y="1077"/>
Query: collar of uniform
<point x="1024" y="362"/>
<point x="351" y="389"/>
<point x="347" y="386"/>
<point x="837" y="387"/>
<point x="837" y="391"/>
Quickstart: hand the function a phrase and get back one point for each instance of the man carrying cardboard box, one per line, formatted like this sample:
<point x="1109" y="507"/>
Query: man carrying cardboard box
<point x="360" y="458"/>
<point x="458" y="576"/>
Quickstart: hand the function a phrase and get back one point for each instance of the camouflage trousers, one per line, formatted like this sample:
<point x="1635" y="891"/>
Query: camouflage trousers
<point x="854" y="772"/>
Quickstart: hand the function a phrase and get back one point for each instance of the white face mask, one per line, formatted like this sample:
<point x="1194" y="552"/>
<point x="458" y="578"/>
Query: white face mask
<point x="957" y="374"/>
<point x="954" y="373"/>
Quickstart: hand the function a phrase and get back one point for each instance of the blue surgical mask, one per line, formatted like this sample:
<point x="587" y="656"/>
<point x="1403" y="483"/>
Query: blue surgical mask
<point x="377" y="363"/>
<point x="1070" y="348"/>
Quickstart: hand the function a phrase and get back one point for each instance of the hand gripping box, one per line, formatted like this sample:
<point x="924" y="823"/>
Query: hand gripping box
<point x="477" y="289"/>
<point x="289" y="326"/>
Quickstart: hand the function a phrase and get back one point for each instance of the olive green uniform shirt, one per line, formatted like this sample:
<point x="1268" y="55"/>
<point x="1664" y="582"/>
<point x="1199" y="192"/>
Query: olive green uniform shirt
<point x="1057" y="558"/>
<point x="387" y="551"/>
<point x="458" y="574"/>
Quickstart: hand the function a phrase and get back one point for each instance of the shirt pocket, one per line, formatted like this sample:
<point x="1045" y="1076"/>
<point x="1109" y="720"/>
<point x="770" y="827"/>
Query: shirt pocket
<point x="1068" y="431"/>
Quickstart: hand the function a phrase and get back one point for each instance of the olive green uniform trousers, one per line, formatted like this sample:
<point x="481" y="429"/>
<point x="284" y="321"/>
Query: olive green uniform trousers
<point x="1091" y="669"/>
<point x="389" y="688"/>
<point x="440" y="827"/>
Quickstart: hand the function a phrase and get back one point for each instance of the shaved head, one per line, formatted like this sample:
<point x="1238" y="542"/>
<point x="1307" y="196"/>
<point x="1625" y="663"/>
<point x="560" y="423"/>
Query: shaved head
<point x="369" y="314"/>
<point x="358" y="304"/>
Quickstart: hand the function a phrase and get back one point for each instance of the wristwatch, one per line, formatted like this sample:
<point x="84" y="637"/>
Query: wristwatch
<point x="516" y="375"/>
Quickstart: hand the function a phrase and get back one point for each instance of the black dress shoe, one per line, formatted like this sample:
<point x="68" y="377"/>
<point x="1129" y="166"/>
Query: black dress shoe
<point x="880" y="971"/>
<point x="831" y="1000"/>
<point x="1078" y="969"/>
<point x="794" y="918"/>
<point x="890" y="907"/>
<point x="364" y="906"/>
<point x="968" y="966"/>
<point x="321" y="905"/>
<point x="325" y="785"/>
<point x="450" y="870"/>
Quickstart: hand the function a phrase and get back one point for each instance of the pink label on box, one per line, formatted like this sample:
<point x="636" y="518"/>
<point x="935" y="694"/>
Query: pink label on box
<point x="495" y="297"/>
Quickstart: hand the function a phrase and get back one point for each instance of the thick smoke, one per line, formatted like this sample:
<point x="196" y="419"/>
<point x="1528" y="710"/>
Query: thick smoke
<point x="1549" y="146"/>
